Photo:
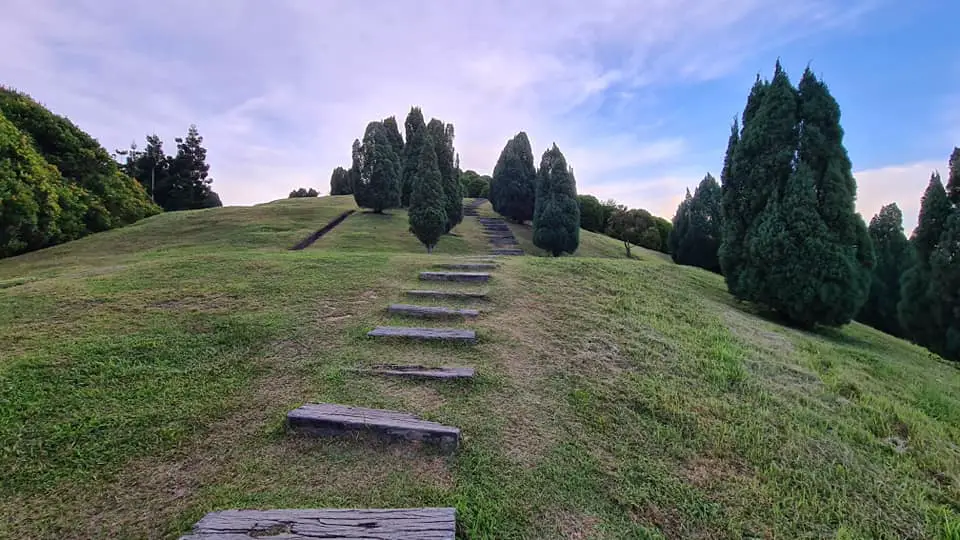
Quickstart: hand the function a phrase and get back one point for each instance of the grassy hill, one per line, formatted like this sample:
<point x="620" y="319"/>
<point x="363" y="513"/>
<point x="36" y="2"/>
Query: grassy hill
<point x="145" y="374"/>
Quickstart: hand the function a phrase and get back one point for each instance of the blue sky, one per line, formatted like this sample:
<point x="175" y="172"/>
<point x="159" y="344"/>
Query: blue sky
<point x="638" y="94"/>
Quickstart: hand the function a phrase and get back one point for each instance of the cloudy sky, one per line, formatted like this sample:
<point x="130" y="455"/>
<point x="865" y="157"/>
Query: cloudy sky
<point x="639" y="94"/>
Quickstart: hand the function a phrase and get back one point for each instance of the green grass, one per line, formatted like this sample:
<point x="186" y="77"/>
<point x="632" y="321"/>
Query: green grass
<point x="146" y="372"/>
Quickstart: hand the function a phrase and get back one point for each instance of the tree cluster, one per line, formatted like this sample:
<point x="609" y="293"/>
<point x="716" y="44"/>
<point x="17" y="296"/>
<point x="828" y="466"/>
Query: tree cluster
<point x="177" y="182"/>
<point x="56" y="182"/>
<point x="341" y="182"/>
<point x="631" y="226"/>
<point x="791" y="239"/>
<point x="929" y="305"/>
<point x="475" y="185"/>
<point x="303" y="192"/>
<point x="695" y="236"/>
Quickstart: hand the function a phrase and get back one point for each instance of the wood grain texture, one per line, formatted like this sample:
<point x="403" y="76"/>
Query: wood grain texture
<point x="448" y="295"/>
<point x="329" y="419"/>
<point x="455" y="276"/>
<point x="423" y="372"/>
<point x="468" y="266"/>
<point x="506" y="251"/>
<point x="425" y="334"/>
<point x="372" y="524"/>
<point x="431" y="312"/>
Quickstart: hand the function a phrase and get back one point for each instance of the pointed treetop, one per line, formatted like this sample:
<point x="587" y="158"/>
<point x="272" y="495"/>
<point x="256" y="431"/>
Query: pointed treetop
<point x="953" y="179"/>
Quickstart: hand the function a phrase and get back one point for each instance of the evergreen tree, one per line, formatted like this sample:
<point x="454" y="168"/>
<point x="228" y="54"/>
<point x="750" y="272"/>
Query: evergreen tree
<point x="340" y="182"/>
<point x="556" y="219"/>
<point x="378" y="186"/>
<point x="953" y="181"/>
<point x="356" y="160"/>
<point x="734" y="221"/>
<point x="944" y="289"/>
<point x="393" y="133"/>
<point x="695" y="239"/>
<point x="916" y="303"/>
<point x="513" y="189"/>
<point x="442" y="137"/>
<point x="894" y="257"/>
<point x="303" y="193"/>
<point x="428" y="213"/>
<point x="416" y="132"/>
<point x="189" y="174"/>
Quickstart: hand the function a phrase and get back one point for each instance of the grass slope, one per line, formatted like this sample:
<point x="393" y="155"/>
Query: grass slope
<point x="146" y="372"/>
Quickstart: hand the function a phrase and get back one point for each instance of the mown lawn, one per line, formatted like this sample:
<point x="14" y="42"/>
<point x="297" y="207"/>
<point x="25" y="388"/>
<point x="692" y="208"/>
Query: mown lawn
<point x="145" y="378"/>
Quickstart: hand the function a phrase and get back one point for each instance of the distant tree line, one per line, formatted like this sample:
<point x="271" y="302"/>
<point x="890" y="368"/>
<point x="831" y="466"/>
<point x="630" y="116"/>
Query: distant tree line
<point x="634" y="227"/>
<point x="177" y="182"/>
<point x="303" y="192"/>
<point x="56" y="182"/>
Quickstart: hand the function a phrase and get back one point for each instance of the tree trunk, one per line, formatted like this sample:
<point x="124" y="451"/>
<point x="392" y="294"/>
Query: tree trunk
<point x="626" y="246"/>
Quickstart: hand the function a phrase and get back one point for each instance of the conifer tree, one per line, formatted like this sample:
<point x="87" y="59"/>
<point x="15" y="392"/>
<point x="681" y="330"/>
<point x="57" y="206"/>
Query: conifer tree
<point x="695" y="238"/>
<point x="416" y="132"/>
<point x="894" y="257"/>
<point x="681" y="224"/>
<point x="513" y="189"/>
<point x="944" y="288"/>
<point x="340" y="182"/>
<point x="428" y="214"/>
<point x="916" y="303"/>
<point x="442" y="136"/>
<point x="953" y="180"/>
<point x="378" y="186"/>
<point x="393" y="133"/>
<point x="556" y="219"/>
<point x="356" y="161"/>
<point x="189" y="174"/>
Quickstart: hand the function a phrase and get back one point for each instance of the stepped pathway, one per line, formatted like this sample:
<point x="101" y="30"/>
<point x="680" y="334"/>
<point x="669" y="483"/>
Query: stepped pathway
<point x="330" y="419"/>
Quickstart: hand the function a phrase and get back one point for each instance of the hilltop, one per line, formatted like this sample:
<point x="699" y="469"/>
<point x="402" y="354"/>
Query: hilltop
<point x="147" y="370"/>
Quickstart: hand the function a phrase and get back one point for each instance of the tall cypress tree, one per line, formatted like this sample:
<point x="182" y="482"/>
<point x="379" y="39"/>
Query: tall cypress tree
<point x="442" y="137"/>
<point x="356" y="163"/>
<point x="378" y="187"/>
<point x="695" y="237"/>
<point x="428" y="214"/>
<point x="944" y="288"/>
<point x="393" y="133"/>
<point x="681" y="226"/>
<point x="733" y="223"/>
<point x="556" y="219"/>
<point x="513" y="189"/>
<point x="894" y="257"/>
<point x="953" y="181"/>
<point x="916" y="304"/>
<point x="416" y="132"/>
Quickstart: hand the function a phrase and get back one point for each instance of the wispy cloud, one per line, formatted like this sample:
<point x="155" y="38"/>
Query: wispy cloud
<point x="280" y="89"/>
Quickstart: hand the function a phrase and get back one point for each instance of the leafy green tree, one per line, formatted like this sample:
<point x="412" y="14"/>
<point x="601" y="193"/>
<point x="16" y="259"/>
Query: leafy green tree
<point x="610" y="207"/>
<point x="378" y="187"/>
<point x="513" y="189"/>
<point x="591" y="213"/>
<point x="664" y="228"/>
<point x="393" y="133"/>
<point x="473" y="183"/>
<point x="894" y="257"/>
<point x="634" y="227"/>
<point x="303" y="192"/>
<point x="916" y="302"/>
<point x="695" y="239"/>
<point x="944" y="288"/>
<point x="428" y="213"/>
<point x="556" y="218"/>
<point x="442" y="136"/>
<point x="416" y="130"/>
<point x="340" y="183"/>
<point x="953" y="182"/>
<point x="112" y="199"/>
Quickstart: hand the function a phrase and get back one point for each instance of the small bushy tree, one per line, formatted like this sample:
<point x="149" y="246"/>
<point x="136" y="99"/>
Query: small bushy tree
<point x="513" y="189"/>
<point x="428" y="214"/>
<point x="378" y="187"/>
<point x="556" y="218"/>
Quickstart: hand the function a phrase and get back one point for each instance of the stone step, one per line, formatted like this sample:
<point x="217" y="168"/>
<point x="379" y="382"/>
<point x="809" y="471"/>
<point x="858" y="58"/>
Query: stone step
<point x="451" y="335"/>
<point x="454" y="276"/>
<point x="423" y="372"/>
<point x="304" y="524"/>
<point x="468" y="266"/>
<point x="329" y="419"/>
<point x="430" y="312"/>
<point x="448" y="295"/>
<point x="506" y="251"/>
<point x="504" y="241"/>
<point x="503" y="227"/>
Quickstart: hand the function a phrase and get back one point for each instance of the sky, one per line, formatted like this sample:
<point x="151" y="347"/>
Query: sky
<point x="639" y="95"/>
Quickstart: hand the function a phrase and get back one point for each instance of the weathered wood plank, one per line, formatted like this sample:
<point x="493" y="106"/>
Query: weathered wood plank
<point x="506" y="251"/>
<point x="454" y="276"/>
<point x="423" y="372"/>
<point x="454" y="335"/>
<point x="451" y="295"/>
<point x="468" y="266"/>
<point x="432" y="312"/>
<point x="329" y="419"/>
<point x="303" y="524"/>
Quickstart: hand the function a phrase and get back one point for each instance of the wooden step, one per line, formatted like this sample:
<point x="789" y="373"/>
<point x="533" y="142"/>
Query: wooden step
<point x="504" y="241"/>
<point x="468" y="266"/>
<point x="423" y="372"/>
<point x="453" y="335"/>
<point x="506" y="251"/>
<point x="329" y="419"/>
<point x="303" y="524"/>
<point x="431" y="312"/>
<point x="451" y="295"/>
<point x="454" y="276"/>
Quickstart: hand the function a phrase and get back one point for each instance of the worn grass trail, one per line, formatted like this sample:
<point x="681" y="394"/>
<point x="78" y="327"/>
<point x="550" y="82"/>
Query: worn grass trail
<point x="143" y="386"/>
